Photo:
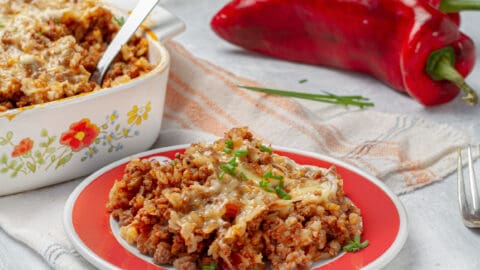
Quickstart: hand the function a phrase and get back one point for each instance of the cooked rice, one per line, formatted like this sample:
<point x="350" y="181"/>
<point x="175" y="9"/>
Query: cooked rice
<point x="49" y="49"/>
<point x="198" y="210"/>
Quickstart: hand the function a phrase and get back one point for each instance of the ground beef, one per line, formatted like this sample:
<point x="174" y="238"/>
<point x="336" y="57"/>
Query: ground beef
<point x="50" y="48"/>
<point x="217" y="204"/>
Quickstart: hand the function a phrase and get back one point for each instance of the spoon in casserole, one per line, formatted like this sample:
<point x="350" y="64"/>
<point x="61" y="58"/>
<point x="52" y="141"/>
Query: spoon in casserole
<point x="138" y="15"/>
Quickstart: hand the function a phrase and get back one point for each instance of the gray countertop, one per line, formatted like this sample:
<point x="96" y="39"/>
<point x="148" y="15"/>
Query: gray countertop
<point x="437" y="238"/>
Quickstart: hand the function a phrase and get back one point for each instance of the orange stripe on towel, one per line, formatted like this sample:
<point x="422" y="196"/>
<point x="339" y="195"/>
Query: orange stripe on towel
<point x="177" y="102"/>
<point x="217" y="109"/>
<point x="177" y="119"/>
<point x="411" y="171"/>
<point x="418" y="176"/>
<point x="284" y="103"/>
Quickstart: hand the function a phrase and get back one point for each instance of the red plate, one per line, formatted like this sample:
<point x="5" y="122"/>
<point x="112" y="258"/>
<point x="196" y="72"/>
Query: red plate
<point x="87" y="222"/>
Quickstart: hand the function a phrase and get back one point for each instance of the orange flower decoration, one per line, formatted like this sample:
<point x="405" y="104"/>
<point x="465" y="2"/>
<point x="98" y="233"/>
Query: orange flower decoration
<point x="23" y="147"/>
<point x="80" y="135"/>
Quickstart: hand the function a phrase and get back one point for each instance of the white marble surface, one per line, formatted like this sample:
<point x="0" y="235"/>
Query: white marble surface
<point x="437" y="238"/>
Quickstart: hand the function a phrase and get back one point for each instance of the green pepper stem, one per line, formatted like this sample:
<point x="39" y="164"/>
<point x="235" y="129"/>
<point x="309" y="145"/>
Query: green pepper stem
<point x="440" y="66"/>
<point x="448" y="72"/>
<point x="450" y="6"/>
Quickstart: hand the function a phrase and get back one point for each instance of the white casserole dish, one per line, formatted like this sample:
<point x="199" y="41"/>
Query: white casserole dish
<point x="57" y="141"/>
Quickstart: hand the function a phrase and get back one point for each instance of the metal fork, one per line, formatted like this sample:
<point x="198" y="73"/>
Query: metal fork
<point x="470" y="212"/>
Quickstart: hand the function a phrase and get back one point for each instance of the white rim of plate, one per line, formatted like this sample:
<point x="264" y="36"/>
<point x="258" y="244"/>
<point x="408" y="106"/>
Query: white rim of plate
<point x="97" y="261"/>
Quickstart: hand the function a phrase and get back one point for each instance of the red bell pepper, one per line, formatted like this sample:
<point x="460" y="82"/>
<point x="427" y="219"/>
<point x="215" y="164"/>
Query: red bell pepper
<point x="408" y="44"/>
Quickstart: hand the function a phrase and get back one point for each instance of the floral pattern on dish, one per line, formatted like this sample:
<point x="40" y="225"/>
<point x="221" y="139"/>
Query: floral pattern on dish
<point x="84" y="136"/>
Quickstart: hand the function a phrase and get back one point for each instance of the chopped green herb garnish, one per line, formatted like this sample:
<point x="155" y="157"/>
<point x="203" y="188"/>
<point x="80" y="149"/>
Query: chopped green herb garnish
<point x="233" y="162"/>
<point x="228" y="146"/>
<point x="327" y="97"/>
<point x="241" y="153"/>
<point x="355" y="244"/>
<point x="173" y="162"/>
<point x="264" y="148"/>
<point x="221" y="175"/>
<point x="2" y="25"/>
<point x="229" y="143"/>
<point x="211" y="266"/>
<point x="303" y="81"/>
<point x="243" y="176"/>
<point x="265" y="185"/>
<point x="56" y="21"/>
<point x="119" y="20"/>
<point x="269" y="174"/>
<point x="278" y="188"/>
<point x="228" y="168"/>
<point x="281" y="192"/>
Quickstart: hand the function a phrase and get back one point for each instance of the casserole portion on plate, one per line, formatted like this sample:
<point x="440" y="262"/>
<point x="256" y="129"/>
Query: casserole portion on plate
<point x="233" y="204"/>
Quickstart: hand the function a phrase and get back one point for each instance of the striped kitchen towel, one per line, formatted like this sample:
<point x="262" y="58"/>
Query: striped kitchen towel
<point x="404" y="152"/>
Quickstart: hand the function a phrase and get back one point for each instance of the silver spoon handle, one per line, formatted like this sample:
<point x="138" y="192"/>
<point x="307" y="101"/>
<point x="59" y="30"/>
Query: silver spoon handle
<point x="138" y="15"/>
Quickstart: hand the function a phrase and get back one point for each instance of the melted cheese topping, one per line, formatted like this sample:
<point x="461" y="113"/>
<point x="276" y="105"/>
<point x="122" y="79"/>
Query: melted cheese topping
<point x="252" y="199"/>
<point x="228" y="200"/>
<point x="49" y="48"/>
<point x="25" y="50"/>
